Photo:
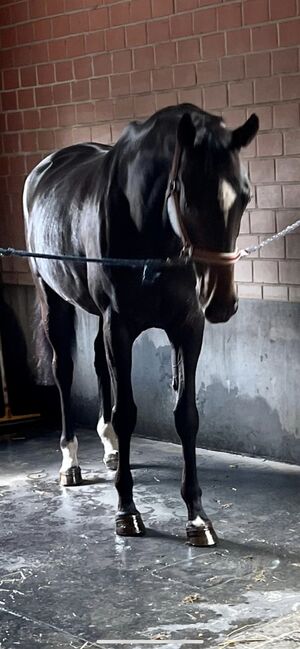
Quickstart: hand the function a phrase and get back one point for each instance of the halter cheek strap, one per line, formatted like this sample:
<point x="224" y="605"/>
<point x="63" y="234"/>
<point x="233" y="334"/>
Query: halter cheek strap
<point x="198" y="254"/>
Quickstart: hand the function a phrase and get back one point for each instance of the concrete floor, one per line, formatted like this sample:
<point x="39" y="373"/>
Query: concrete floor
<point x="67" y="581"/>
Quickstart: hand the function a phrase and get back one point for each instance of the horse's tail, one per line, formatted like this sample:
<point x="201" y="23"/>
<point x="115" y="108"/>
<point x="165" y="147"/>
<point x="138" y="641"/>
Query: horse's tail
<point x="43" y="350"/>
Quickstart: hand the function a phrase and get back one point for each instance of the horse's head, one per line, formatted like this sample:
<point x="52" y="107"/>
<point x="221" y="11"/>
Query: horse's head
<point x="210" y="191"/>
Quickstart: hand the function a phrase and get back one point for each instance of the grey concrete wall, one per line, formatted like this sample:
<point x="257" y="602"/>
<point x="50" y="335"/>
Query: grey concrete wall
<point x="247" y="378"/>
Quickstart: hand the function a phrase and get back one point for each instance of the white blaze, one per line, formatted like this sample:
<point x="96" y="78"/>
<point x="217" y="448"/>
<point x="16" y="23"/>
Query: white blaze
<point x="227" y="196"/>
<point x="69" y="454"/>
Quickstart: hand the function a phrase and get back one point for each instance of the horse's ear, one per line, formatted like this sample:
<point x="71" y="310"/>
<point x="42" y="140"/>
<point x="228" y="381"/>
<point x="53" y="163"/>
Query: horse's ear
<point x="243" y="135"/>
<point x="186" y="131"/>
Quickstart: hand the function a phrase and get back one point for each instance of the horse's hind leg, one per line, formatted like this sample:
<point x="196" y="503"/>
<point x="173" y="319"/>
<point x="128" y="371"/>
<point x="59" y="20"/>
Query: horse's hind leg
<point x="58" y="322"/>
<point x="105" y="428"/>
<point x="187" y="341"/>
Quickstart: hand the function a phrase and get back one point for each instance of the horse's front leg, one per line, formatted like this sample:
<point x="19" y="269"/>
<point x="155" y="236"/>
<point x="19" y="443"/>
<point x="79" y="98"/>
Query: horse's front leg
<point x="118" y="345"/>
<point x="187" y="342"/>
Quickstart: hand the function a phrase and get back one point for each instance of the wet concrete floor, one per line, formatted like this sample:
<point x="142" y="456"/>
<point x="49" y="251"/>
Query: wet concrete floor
<point x="67" y="581"/>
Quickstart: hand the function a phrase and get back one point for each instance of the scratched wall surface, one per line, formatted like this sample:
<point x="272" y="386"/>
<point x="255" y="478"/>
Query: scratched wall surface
<point x="79" y="70"/>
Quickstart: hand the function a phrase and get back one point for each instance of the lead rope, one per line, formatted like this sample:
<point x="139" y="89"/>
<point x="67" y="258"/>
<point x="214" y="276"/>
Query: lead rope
<point x="278" y="235"/>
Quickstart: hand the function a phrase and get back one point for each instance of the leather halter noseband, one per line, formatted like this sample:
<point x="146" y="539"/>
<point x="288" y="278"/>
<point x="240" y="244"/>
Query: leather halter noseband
<point x="198" y="254"/>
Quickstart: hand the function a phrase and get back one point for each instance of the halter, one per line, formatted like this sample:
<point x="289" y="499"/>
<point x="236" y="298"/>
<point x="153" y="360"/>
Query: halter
<point x="189" y="250"/>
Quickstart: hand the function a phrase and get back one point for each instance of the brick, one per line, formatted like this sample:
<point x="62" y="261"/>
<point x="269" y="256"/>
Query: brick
<point x="44" y="95"/>
<point x="141" y="10"/>
<point x="286" y="115"/>
<point x="185" y="5"/>
<point x="75" y="46"/>
<point x="262" y="221"/>
<point x="264" y="37"/>
<point x="258" y="65"/>
<point x="124" y="107"/>
<point x="26" y="98"/>
<point x="62" y="93"/>
<point x="39" y="52"/>
<point x="274" y="250"/>
<point x="31" y="119"/>
<point x="294" y="294"/>
<point x="94" y="42"/>
<point x="46" y="141"/>
<point x="32" y="159"/>
<point x="115" y="38"/>
<point x="266" y="90"/>
<point x="232" y="68"/>
<point x="5" y="16"/>
<point x="289" y="272"/>
<point x="98" y="18"/>
<point x="275" y="293"/>
<point x="184" y="75"/>
<point x="162" y="79"/>
<point x="285" y="218"/>
<point x="291" y="196"/>
<point x="122" y="61"/>
<point x="57" y="49"/>
<point x="265" y="271"/>
<point x="8" y="37"/>
<point x="269" y="196"/>
<point x="79" y="22"/>
<point x="120" y="85"/>
<point x="85" y="113"/>
<point x="291" y="87"/>
<point x="160" y="8"/>
<point x="293" y="246"/>
<point x="140" y="81"/>
<point x="205" y="21"/>
<point x="244" y="227"/>
<point x="102" y="64"/>
<point x="229" y="16"/>
<point x="292" y="142"/>
<point x="190" y="96"/>
<point x="42" y="30"/>
<point x="136" y="35"/>
<point x="241" y="94"/>
<point x="238" y="41"/>
<point x="144" y="58"/>
<point x="99" y="88"/>
<point x="264" y="114"/>
<point x="25" y="33"/>
<point x="10" y="79"/>
<point x="279" y="9"/>
<point x="17" y="165"/>
<point x="262" y="171"/>
<point x="60" y="26"/>
<point x="213" y="46"/>
<point x="215" y="96"/>
<point x="66" y="115"/>
<point x="269" y="144"/>
<point x="120" y="14"/>
<point x="158" y="31"/>
<point x="208" y="71"/>
<point x="21" y="56"/>
<point x="11" y="142"/>
<point x="289" y="32"/>
<point x="64" y="71"/>
<point x="29" y="141"/>
<point x="54" y="7"/>
<point x="181" y="25"/>
<point x="28" y="76"/>
<point x="83" y="68"/>
<point x="165" y="54"/>
<point x="101" y="133"/>
<point x="80" y="90"/>
<point x="9" y="100"/>
<point x="188" y="50"/>
<point x="36" y="9"/>
<point x="284" y="61"/>
<point x="249" y="291"/>
<point x="246" y="240"/>
<point x="243" y="271"/>
<point x="45" y="73"/>
<point x="14" y="121"/>
<point x="72" y="5"/>
<point x="255" y="11"/>
<point x="20" y="12"/>
<point x="144" y="105"/>
<point x="165" y="99"/>
<point x="104" y="110"/>
<point x="234" y="117"/>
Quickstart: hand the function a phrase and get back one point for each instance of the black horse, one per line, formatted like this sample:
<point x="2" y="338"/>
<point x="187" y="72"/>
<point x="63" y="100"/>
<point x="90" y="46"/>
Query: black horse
<point x="171" y="185"/>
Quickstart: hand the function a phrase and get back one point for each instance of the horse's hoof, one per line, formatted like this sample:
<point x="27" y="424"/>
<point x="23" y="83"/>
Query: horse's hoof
<point x="130" y="525"/>
<point x="203" y="536"/>
<point x="111" y="461"/>
<point x="71" y="477"/>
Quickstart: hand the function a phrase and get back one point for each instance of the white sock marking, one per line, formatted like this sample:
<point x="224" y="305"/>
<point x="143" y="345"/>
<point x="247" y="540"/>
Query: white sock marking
<point x="69" y="454"/>
<point x="108" y="437"/>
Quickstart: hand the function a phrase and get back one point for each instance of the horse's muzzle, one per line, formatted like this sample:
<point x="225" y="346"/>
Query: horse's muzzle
<point x="220" y="312"/>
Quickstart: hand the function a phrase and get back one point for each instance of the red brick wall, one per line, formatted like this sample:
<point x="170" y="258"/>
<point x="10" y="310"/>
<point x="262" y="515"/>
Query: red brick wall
<point x="76" y="70"/>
